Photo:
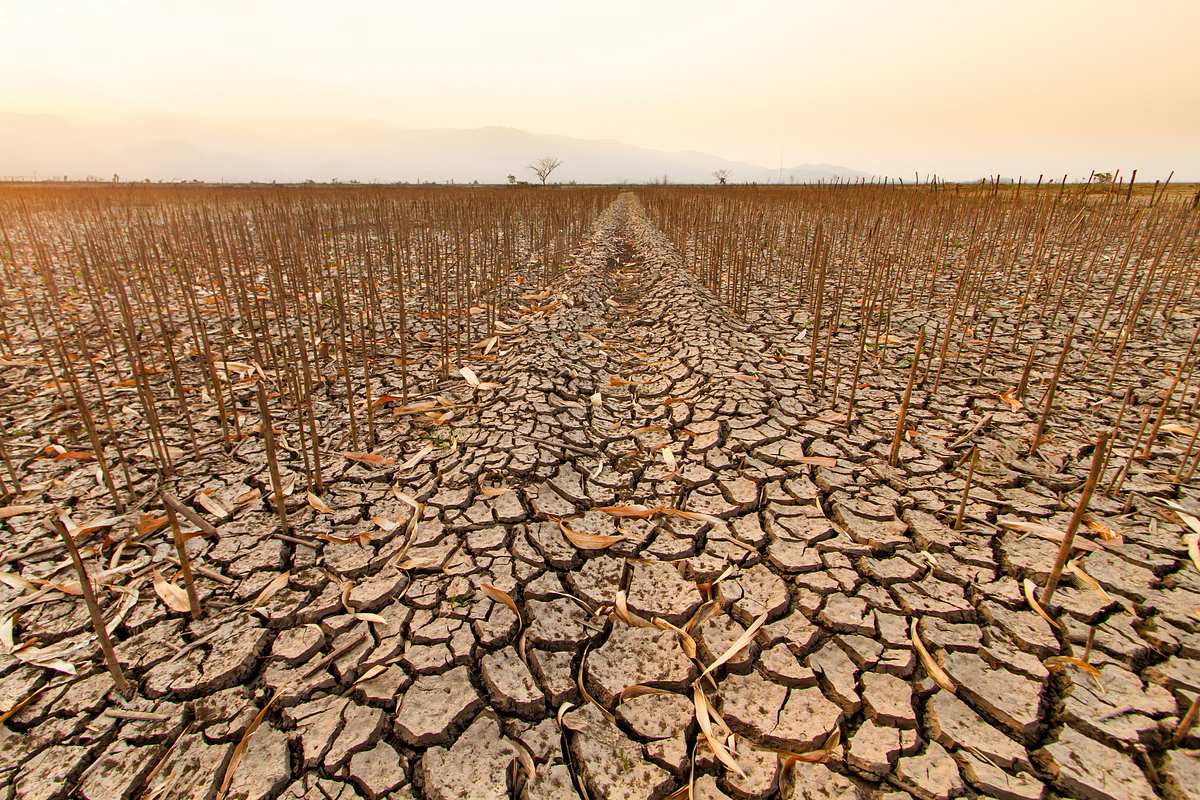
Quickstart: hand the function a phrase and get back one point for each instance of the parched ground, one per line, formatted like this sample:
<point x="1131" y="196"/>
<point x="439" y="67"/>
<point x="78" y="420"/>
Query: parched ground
<point x="649" y="480"/>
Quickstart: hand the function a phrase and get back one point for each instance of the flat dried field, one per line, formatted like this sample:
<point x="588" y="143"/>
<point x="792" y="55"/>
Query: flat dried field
<point x="328" y="493"/>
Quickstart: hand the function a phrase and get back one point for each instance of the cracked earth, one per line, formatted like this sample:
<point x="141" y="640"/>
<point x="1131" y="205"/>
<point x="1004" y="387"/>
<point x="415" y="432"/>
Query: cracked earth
<point x="654" y="482"/>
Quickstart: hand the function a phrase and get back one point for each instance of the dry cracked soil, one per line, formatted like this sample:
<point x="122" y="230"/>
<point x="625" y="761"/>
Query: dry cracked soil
<point x="393" y="665"/>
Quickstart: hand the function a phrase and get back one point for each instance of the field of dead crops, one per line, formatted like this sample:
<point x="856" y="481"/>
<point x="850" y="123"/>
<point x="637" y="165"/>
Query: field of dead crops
<point x="327" y="493"/>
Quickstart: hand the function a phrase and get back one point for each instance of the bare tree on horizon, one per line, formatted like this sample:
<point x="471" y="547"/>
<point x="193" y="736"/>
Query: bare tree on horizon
<point x="544" y="166"/>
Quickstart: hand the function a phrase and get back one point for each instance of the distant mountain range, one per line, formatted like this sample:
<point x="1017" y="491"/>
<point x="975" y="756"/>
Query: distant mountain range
<point x="171" y="148"/>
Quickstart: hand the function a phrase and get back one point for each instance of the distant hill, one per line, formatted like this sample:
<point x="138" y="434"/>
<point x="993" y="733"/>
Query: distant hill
<point x="165" y="147"/>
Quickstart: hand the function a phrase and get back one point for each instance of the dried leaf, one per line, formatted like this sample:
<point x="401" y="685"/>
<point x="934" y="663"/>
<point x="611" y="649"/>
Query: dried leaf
<point x="1029" y="589"/>
<point x="247" y="497"/>
<point x="1049" y="534"/>
<point x="501" y="596"/>
<point x="318" y="505"/>
<point x="415" y="459"/>
<point x="173" y="596"/>
<point x="631" y="512"/>
<point x="588" y="541"/>
<point x="1192" y="540"/>
<point x="210" y="504"/>
<point x="932" y="669"/>
<point x="76" y="455"/>
<point x="15" y="581"/>
<point x="739" y="644"/>
<point x="814" y="756"/>
<point x="637" y="690"/>
<point x="269" y="591"/>
<point x="469" y="376"/>
<point x="1187" y="518"/>
<point x="1075" y="569"/>
<point x="368" y="616"/>
<point x="240" y="750"/>
<point x="1106" y="533"/>
<point x="149" y="523"/>
<point x="524" y="757"/>
<point x="1060" y="662"/>
<point x="621" y="609"/>
<point x="16" y="510"/>
<point x="705" y="723"/>
<point x="581" y="680"/>
<point x="6" y="633"/>
<point x="370" y="459"/>
<point x="686" y="642"/>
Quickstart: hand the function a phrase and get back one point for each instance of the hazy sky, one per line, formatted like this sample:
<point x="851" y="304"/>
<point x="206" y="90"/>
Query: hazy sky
<point x="960" y="88"/>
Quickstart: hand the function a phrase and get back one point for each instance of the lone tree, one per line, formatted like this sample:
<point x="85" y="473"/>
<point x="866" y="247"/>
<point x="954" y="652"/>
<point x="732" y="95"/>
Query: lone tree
<point x="722" y="176"/>
<point x="544" y="166"/>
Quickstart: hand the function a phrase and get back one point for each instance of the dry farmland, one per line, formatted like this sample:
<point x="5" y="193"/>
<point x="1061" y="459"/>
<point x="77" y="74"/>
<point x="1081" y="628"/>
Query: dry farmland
<point x="811" y="492"/>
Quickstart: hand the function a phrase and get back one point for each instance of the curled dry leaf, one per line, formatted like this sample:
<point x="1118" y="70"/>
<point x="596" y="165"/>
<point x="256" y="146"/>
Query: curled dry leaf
<point x="1105" y="531"/>
<point x="269" y="591"/>
<point x="1193" y="545"/>
<point x="581" y="680"/>
<point x="819" y="756"/>
<point x="739" y="644"/>
<point x="16" y="510"/>
<point x="15" y="581"/>
<point x="501" y="596"/>
<point x="686" y="642"/>
<point x="149" y="523"/>
<point x="240" y="750"/>
<point x="174" y="597"/>
<point x="524" y="757"/>
<point x="1029" y="589"/>
<point x="588" y="541"/>
<point x="317" y="504"/>
<point x="385" y="524"/>
<point x="210" y="504"/>
<point x="932" y="669"/>
<point x="1062" y="662"/>
<point x="247" y="497"/>
<point x="469" y="376"/>
<point x="622" y="612"/>
<point x="372" y="672"/>
<point x="370" y="459"/>
<point x="1075" y="569"/>
<point x="706" y="727"/>
<point x="637" y="690"/>
<point x="7" y="640"/>
<point x="1049" y="534"/>
<point x="640" y="512"/>
<point x="415" y="459"/>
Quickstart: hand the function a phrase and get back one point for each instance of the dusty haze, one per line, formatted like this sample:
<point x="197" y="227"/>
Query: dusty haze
<point x="263" y="89"/>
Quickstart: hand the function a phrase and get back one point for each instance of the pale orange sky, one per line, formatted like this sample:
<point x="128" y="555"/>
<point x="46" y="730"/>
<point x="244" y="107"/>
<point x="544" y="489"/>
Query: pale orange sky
<point x="958" y="88"/>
